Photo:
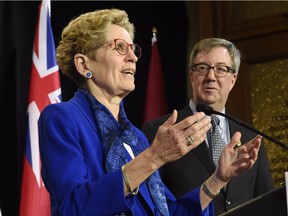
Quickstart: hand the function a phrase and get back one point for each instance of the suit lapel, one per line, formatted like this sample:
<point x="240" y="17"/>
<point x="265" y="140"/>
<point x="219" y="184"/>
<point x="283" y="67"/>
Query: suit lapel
<point x="202" y="152"/>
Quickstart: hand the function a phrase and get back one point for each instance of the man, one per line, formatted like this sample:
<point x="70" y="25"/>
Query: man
<point x="214" y="64"/>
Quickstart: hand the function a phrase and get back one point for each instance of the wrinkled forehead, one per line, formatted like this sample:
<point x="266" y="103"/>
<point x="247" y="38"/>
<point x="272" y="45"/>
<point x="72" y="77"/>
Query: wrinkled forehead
<point x="214" y="55"/>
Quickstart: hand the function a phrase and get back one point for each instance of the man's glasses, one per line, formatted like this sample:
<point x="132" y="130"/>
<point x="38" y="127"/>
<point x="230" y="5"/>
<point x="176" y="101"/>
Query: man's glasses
<point x="122" y="47"/>
<point x="219" y="70"/>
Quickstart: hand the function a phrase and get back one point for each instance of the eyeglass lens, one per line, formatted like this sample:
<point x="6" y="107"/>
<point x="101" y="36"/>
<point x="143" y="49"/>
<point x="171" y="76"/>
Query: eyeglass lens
<point x="122" y="47"/>
<point x="219" y="70"/>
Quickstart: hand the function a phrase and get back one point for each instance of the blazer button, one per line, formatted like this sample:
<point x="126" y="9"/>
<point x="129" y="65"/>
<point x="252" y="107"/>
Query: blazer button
<point x="228" y="202"/>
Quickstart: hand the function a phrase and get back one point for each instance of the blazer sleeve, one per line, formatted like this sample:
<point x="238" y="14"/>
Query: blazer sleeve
<point x="72" y="165"/>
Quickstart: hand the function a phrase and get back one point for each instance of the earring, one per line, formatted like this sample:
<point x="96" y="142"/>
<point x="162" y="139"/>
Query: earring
<point x="88" y="74"/>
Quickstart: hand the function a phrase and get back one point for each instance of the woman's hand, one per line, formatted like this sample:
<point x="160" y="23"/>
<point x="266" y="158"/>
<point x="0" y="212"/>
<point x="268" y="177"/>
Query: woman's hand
<point x="172" y="141"/>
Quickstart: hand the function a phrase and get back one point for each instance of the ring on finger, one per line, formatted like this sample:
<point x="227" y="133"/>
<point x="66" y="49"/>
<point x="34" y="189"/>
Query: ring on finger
<point x="237" y="145"/>
<point x="190" y="140"/>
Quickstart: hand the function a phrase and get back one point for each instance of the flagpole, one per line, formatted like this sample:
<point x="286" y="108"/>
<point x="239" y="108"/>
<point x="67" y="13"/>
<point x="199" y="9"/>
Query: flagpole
<point x="154" y="35"/>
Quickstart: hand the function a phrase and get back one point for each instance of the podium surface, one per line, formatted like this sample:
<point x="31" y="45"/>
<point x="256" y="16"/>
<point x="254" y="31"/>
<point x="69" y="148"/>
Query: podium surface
<point x="272" y="203"/>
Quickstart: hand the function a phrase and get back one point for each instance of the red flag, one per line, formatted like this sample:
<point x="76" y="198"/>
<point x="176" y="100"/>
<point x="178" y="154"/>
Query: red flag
<point x="44" y="89"/>
<point x="155" y="103"/>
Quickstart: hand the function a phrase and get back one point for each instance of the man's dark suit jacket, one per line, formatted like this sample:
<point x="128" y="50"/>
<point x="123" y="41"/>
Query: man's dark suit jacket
<point x="194" y="168"/>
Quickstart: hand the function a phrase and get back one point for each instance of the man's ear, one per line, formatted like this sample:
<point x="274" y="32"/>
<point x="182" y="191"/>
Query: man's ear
<point x="233" y="80"/>
<point x="80" y="62"/>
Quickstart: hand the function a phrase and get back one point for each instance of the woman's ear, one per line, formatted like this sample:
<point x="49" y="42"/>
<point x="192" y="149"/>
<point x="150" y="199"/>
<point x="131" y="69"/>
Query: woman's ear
<point x="80" y="62"/>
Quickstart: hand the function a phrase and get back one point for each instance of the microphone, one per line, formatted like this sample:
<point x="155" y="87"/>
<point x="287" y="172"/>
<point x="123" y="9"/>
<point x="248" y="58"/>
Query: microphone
<point x="208" y="110"/>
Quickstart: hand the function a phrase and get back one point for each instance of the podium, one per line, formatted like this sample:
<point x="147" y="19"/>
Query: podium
<point x="272" y="203"/>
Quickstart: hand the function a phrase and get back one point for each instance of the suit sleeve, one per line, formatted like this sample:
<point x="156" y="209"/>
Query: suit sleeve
<point x="264" y="181"/>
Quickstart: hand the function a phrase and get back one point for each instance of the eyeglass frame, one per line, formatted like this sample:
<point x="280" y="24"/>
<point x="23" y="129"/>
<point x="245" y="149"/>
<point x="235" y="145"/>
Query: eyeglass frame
<point x="217" y="74"/>
<point x="137" y="47"/>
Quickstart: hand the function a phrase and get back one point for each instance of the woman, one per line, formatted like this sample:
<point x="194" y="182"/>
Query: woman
<point x="94" y="161"/>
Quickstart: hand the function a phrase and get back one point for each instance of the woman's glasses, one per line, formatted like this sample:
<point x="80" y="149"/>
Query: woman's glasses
<point x="122" y="47"/>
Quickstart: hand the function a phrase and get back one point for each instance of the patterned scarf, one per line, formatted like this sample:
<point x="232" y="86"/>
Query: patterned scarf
<point x="113" y="135"/>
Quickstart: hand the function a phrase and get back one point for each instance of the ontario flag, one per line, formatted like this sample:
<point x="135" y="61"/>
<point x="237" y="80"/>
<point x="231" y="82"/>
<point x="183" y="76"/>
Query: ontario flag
<point x="44" y="89"/>
<point x="155" y="101"/>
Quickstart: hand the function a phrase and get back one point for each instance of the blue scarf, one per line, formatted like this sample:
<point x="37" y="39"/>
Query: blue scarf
<point x="113" y="135"/>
